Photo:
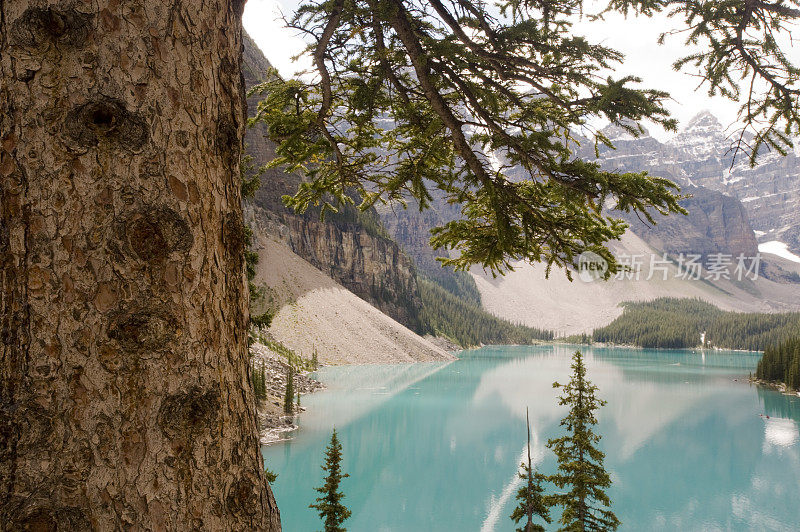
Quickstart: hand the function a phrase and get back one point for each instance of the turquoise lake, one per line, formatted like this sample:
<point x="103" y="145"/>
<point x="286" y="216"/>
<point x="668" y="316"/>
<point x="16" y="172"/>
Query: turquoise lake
<point x="436" y="447"/>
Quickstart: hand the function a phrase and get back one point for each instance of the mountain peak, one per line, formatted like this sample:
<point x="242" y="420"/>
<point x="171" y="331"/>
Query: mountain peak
<point x="703" y="137"/>
<point x="703" y="121"/>
<point x="616" y="132"/>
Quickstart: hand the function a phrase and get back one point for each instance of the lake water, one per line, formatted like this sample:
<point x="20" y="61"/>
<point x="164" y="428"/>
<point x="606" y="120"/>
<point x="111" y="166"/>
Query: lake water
<point x="436" y="447"/>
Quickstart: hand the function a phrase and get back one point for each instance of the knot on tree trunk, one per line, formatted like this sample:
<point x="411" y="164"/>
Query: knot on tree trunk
<point x="156" y="232"/>
<point x="243" y="497"/>
<point x="105" y="120"/>
<point x="39" y="28"/>
<point x="143" y="329"/>
<point x="187" y="414"/>
<point x="227" y="141"/>
<point x="233" y="237"/>
<point x="54" y="520"/>
<point x="35" y="433"/>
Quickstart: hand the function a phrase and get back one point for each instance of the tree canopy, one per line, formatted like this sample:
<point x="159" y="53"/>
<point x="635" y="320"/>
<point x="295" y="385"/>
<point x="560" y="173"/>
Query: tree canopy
<point x="586" y="505"/>
<point x="329" y="505"/>
<point x="486" y="104"/>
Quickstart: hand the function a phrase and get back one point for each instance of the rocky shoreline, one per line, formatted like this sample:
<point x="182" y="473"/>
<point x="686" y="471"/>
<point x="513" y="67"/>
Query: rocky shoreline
<point x="274" y="425"/>
<point x="443" y="343"/>
<point x="777" y="386"/>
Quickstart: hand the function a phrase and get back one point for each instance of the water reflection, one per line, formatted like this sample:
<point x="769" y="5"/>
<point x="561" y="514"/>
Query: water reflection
<point x="436" y="447"/>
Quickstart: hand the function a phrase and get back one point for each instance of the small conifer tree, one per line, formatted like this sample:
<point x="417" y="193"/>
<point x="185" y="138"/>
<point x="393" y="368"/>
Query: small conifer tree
<point x="329" y="506"/>
<point x="289" y="395"/>
<point x="532" y="500"/>
<point x="580" y="462"/>
<point x="259" y="380"/>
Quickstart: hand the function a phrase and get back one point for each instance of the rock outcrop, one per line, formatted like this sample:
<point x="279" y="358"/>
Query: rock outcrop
<point x="410" y="228"/>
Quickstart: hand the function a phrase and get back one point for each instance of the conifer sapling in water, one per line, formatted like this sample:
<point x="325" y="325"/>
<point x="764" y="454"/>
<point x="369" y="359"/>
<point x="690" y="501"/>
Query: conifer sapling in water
<point x="532" y="500"/>
<point x="586" y="506"/>
<point x="329" y="506"/>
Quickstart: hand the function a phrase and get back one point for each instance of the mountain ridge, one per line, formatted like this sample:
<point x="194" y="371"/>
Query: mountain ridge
<point x="701" y="155"/>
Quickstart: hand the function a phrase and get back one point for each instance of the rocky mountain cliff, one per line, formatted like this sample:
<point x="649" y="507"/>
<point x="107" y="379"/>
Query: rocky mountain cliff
<point x="349" y="246"/>
<point x="716" y="223"/>
<point x="700" y="156"/>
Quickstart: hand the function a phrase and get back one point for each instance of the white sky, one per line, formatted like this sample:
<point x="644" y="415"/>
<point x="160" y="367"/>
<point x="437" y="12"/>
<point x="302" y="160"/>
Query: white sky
<point x="635" y="37"/>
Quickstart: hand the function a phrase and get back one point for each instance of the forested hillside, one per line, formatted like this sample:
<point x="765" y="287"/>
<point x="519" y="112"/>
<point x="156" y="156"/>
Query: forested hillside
<point x="680" y="323"/>
<point x="466" y="323"/>
<point x="781" y="363"/>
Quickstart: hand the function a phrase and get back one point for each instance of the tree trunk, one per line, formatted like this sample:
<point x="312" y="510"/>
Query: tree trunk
<point x="124" y="394"/>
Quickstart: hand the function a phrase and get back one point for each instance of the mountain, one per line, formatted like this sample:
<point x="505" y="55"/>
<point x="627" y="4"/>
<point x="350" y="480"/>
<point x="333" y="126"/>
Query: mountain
<point x="700" y="155"/>
<point x="527" y="296"/>
<point x="355" y="252"/>
<point x="411" y="227"/>
<point x="729" y="204"/>
<point x="348" y="246"/>
<point x="384" y="257"/>
<point x="717" y="223"/>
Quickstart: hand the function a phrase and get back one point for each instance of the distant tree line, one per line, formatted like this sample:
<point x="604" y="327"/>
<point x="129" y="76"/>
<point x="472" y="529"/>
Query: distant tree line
<point x="781" y="363"/>
<point x="680" y="323"/>
<point x="467" y="324"/>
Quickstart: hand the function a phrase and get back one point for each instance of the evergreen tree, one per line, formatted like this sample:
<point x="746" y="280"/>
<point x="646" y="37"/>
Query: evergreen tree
<point x="289" y="395"/>
<point x="259" y="380"/>
<point x="580" y="462"/>
<point x="329" y="505"/>
<point x="531" y="495"/>
<point x="417" y="98"/>
<point x="781" y="363"/>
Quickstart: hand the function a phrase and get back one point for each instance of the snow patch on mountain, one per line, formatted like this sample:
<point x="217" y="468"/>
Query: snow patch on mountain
<point x="776" y="247"/>
<point x="703" y="154"/>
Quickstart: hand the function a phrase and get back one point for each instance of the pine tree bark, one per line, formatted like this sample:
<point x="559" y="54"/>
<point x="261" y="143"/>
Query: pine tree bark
<point x="124" y="394"/>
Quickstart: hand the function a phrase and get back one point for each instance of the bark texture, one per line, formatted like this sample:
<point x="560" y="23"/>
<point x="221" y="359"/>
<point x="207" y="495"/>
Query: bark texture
<point x="124" y="395"/>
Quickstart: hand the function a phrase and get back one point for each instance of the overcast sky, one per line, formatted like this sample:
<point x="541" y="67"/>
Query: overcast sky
<point x="635" y="37"/>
